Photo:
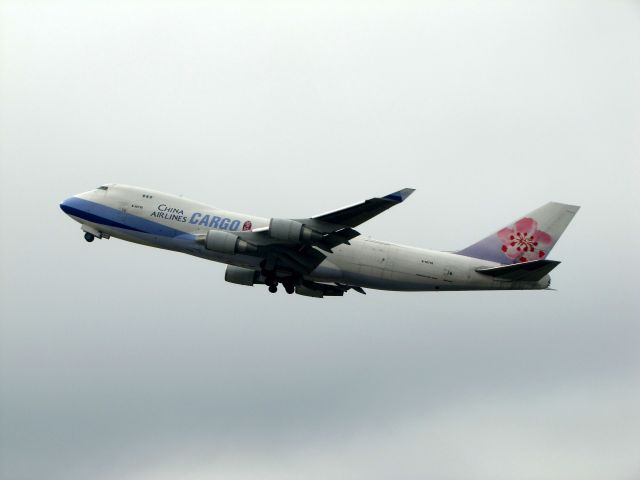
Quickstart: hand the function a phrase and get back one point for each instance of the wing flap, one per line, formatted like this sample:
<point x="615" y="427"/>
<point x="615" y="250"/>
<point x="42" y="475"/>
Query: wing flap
<point x="338" y="237"/>
<point x="527" y="271"/>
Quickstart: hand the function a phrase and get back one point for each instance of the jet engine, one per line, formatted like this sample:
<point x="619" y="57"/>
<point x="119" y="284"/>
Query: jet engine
<point x="292" y="231"/>
<point x="225" y="242"/>
<point x="241" y="275"/>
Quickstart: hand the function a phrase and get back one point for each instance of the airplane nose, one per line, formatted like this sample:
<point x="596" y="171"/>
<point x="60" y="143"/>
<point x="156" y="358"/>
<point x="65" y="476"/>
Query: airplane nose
<point x="65" y="205"/>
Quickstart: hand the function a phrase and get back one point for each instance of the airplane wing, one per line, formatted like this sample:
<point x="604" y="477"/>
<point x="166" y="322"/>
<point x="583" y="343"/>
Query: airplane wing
<point x="326" y="230"/>
<point x="354" y="215"/>
<point x="295" y="246"/>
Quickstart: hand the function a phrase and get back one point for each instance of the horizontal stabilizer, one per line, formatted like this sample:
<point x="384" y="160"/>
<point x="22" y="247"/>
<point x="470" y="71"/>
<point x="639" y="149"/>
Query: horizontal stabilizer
<point x="527" y="271"/>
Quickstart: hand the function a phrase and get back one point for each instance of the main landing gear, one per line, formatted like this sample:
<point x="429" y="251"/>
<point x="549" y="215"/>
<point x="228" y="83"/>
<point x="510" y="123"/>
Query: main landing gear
<point x="89" y="236"/>
<point x="289" y="287"/>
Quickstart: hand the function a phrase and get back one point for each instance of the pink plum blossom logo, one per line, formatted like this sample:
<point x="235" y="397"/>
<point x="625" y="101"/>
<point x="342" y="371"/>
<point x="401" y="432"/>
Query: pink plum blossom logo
<point x="246" y="226"/>
<point x="523" y="240"/>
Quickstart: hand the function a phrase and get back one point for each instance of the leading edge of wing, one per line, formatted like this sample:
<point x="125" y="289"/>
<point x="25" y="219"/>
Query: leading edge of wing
<point x="354" y="215"/>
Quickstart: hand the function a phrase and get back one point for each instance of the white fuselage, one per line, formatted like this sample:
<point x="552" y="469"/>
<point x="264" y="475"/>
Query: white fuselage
<point x="172" y="222"/>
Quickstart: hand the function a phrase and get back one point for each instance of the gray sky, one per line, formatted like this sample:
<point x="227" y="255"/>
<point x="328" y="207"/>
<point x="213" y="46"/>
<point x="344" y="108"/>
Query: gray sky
<point x="124" y="362"/>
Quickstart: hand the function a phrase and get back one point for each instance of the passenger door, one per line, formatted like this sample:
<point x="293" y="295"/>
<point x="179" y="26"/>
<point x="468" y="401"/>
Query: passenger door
<point x="448" y="274"/>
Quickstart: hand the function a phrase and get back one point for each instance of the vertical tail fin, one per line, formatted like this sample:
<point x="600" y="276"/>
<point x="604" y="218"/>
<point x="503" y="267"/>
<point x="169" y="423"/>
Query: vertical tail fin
<point x="530" y="238"/>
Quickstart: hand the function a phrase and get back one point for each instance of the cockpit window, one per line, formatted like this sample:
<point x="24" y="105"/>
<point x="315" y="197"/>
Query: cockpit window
<point x="102" y="187"/>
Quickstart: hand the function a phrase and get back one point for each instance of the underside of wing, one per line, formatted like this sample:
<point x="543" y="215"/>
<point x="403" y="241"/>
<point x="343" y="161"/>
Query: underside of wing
<point x="320" y="290"/>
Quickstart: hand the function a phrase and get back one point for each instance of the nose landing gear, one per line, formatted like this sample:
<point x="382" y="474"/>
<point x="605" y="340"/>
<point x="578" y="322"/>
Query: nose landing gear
<point x="273" y="288"/>
<point x="89" y="237"/>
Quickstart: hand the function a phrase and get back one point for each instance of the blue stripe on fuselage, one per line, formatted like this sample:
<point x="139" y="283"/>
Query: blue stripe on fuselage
<point x="103" y="215"/>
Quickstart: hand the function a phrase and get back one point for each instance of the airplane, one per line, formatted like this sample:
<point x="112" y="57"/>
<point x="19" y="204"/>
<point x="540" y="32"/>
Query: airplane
<point x="322" y="255"/>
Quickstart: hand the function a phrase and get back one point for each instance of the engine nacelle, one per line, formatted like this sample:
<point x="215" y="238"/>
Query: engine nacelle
<point x="240" y="275"/>
<point x="292" y="231"/>
<point x="225" y="242"/>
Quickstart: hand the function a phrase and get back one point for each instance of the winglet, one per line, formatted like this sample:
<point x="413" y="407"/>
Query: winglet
<point x="400" y="195"/>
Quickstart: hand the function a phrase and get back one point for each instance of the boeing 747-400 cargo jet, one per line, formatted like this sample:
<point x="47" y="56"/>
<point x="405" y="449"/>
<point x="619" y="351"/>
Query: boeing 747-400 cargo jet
<point x="322" y="255"/>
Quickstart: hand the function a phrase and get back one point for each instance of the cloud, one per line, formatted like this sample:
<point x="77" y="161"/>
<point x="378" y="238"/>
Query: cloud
<point x="570" y="432"/>
<point x="118" y="360"/>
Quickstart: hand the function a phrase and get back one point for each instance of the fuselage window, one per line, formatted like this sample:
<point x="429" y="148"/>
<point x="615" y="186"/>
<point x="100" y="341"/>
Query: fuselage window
<point x="102" y="187"/>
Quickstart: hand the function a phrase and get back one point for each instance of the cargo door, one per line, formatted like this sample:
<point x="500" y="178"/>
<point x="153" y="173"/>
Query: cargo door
<point x="377" y="261"/>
